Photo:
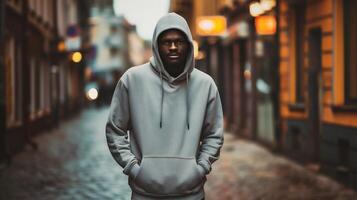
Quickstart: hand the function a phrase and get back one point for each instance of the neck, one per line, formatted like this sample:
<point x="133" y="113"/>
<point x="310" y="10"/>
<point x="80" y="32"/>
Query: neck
<point x="174" y="71"/>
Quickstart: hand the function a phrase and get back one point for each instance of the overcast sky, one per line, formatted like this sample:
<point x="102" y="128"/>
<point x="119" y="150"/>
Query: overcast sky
<point x="143" y="13"/>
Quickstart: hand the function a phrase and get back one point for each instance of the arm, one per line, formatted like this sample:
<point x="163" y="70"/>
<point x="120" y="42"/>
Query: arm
<point x="212" y="134"/>
<point x="116" y="130"/>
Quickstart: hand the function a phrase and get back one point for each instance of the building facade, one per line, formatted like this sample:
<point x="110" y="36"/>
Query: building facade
<point x="41" y="84"/>
<point x="236" y="65"/>
<point x="294" y="89"/>
<point x="318" y="85"/>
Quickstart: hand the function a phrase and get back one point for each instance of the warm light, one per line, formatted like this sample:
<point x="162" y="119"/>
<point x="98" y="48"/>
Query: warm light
<point x="247" y="74"/>
<point x="87" y="73"/>
<point x="76" y="57"/>
<point x="92" y="94"/>
<point x="61" y="46"/>
<point x="255" y="9"/>
<point x="195" y="48"/>
<point x="265" y="25"/>
<point x="243" y="29"/>
<point x="267" y="4"/>
<point x="200" y="55"/>
<point x="206" y="25"/>
<point x="211" y="25"/>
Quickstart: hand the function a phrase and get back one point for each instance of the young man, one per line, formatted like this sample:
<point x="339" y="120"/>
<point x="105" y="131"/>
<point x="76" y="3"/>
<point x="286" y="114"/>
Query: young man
<point x="174" y="117"/>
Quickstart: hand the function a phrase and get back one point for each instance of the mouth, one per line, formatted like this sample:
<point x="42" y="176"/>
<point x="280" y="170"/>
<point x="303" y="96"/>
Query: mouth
<point x="173" y="56"/>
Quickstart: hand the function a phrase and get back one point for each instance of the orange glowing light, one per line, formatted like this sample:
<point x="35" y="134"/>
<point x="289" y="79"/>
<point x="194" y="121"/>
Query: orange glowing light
<point x="247" y="74"/>
<point x="265" y="25"/>
<point x="195" y="48"/>
<point x="61" y="46"/>
<point x="211" y="25"/>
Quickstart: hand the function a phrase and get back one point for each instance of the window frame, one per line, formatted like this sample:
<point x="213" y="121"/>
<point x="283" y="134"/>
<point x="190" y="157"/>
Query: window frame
<point x="347" y="54"/>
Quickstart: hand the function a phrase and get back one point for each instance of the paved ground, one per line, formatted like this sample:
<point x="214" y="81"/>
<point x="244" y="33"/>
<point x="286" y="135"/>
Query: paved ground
<point x="248" y="171"/>
<point x="73" y="162"/>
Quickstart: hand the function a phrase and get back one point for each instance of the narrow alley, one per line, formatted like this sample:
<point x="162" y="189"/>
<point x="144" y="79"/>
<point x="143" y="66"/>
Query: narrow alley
<point x="73" y="162"/>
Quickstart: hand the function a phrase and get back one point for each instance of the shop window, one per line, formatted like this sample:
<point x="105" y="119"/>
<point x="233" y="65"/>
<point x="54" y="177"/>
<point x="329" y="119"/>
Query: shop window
<point x="350" y="25"/>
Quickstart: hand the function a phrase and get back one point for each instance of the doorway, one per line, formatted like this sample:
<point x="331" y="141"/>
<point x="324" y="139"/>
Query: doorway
<point x="314" y="89"/>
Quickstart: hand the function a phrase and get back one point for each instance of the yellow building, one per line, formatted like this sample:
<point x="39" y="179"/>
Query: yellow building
<point x="318" y="93"/>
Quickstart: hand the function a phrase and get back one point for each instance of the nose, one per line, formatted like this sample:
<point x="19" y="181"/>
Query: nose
<point x="173" y="45"/>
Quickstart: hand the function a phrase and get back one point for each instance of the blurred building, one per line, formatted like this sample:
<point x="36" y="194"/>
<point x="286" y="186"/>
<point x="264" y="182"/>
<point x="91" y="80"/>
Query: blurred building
<point x="242" y="62"/>
<point x="109" y="39"/>
<point x="318" y="69"/>
<point x="286" y="73"/>
<point x="115" y="46"/>
<point x="41" y="80"/>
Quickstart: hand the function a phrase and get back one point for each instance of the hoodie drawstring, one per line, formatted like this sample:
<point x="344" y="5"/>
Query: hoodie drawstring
<point x="162" y="98"/>
<point x="187" y="102"/>
<point x="188" y="105"/>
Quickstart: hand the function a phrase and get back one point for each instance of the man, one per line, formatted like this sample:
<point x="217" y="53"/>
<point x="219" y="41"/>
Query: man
<point x="174" y="118"/>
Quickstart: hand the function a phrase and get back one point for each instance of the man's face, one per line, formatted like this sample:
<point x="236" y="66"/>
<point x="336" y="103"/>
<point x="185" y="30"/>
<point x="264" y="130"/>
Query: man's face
<point x="173" y="48"/>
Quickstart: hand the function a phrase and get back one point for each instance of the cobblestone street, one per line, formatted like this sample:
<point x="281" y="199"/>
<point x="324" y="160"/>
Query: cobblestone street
<point x="74" y="162"/>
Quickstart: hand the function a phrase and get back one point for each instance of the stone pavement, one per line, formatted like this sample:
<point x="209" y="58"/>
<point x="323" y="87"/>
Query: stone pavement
<point x="247" y="171"/>
<point x="74" y="162"/>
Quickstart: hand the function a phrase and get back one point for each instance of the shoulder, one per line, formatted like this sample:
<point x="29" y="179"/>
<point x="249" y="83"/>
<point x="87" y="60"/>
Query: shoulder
<point x="202" y="77"/>
<point x="135" y="71"/>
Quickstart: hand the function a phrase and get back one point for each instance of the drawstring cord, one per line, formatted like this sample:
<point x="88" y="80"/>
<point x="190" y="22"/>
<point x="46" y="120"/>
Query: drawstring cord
<point x="187" y="103"/>
<point x="162" y="98"/>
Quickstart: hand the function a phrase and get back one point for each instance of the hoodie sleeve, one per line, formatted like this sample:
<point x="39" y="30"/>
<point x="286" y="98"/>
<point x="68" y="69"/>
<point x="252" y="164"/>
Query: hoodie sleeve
<point x="212" y="135"/>
<point x="117" y="130"/>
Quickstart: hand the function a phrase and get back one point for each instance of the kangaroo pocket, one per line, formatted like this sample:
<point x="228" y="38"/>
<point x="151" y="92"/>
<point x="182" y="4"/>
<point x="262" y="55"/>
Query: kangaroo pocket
<point x="168" y="175"/>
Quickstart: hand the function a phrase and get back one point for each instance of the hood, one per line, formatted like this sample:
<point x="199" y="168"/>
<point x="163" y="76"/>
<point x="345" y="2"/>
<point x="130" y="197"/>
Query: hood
<point x="171" y="21"/>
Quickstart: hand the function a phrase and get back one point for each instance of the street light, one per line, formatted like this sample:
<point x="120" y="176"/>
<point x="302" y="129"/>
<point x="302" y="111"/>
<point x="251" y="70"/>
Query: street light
<point x="211" y="25"/>
<point x="92" y="94"/>
<point x="265" y="25"/>
<point x="77" y="57"/>
<point x="267" y="4"/>
<point x="61" y="46"/>
<point x="255" y="9"/>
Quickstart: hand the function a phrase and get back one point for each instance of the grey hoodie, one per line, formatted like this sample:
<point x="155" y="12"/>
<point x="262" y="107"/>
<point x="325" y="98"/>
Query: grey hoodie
<point x="166" y="132"/>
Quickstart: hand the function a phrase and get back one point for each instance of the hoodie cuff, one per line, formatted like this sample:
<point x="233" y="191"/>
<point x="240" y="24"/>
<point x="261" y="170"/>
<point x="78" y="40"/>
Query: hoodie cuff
<point x="128" y="167"/>
<point x="134" y="171"/>
<point x="205" y="165"/>
<point x="201" y="170"/>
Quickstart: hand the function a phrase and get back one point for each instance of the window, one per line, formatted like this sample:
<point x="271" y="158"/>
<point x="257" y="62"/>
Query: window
<point x="351" y="50"/>
<point x="13" y="82"/>
<point x="299" y="22"/>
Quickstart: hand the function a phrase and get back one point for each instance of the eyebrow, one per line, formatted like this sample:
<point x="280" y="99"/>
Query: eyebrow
<point x="175" y="39"/>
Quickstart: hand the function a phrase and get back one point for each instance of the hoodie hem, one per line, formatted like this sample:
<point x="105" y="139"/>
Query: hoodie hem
<point x="192" y="196"/>
<point x="196" y="193"/>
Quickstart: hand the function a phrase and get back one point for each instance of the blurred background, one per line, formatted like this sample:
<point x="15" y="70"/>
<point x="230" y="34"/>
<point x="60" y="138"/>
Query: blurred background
<point x="286" y="72"/>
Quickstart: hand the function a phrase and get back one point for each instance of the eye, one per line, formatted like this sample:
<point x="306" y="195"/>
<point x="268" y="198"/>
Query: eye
<point x="181" y="42"/>
<point x="166" y="43"/>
